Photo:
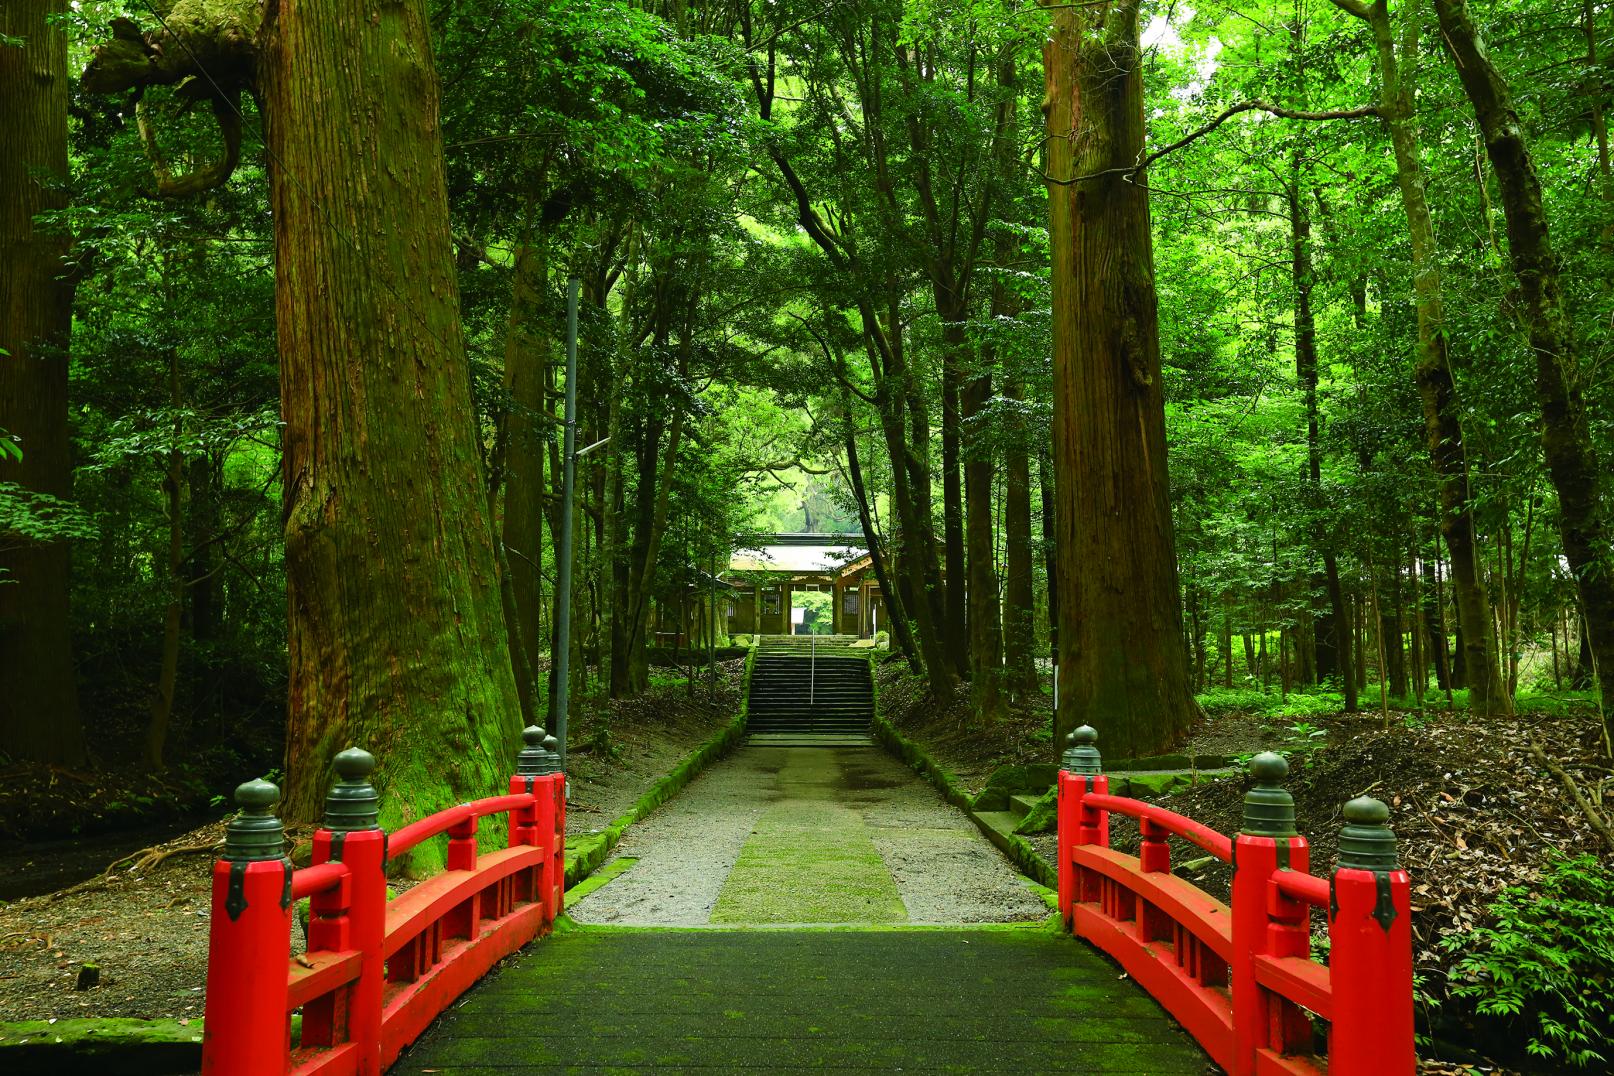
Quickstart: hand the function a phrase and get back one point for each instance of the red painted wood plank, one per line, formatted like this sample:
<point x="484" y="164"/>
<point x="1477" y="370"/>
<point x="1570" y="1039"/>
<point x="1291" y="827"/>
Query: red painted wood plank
<point x="434" y="898"/>
<point x="1207" y="918"/>
<point x="329" y="971"/>
<point x="341" y="1060"/>
<point x="1304" y="982"/>
<point x="410" y="1010"/>
<point x="1271" y="1063"/>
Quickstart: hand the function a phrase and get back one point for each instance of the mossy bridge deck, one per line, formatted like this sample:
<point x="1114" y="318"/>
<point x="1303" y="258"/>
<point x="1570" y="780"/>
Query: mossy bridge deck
<point x="915" y="999"/>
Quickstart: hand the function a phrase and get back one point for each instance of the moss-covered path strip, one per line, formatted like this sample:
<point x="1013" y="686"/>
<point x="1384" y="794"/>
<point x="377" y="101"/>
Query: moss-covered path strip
<point x="810" y="858"/>
<point x="975" y="1000"/>
<point x="782" y="835"/>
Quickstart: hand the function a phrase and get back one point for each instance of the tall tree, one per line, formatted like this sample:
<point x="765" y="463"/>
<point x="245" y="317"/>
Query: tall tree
<point x="1583" y="523"/>
<point x="526" y="357"/>
<point x="1396" y="57"/>
<point x="397" y="637"/>
<point x="39" y="715"/>
<point x="1121" y="657"/>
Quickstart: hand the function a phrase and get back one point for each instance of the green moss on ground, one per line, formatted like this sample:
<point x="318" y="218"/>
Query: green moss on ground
<point x="810" y="859"/>
<point x="1043" y="816"/>
<point x="100" y="1046"/>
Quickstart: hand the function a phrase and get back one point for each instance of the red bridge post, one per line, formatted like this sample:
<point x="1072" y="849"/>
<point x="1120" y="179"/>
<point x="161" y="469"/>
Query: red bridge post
<point x="246" y="1031"/>
<point x="1370" y="950"/>
<point x="351" y="835"/>
<point x="542" y="825"/>
<point x="1265" y="921"/>
<point x="1081" y="772"/>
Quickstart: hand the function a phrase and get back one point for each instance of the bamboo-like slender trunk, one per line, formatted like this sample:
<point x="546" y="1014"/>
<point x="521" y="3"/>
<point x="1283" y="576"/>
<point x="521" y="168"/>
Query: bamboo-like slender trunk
<point x="1584" y="528"/>
<point x="1437" y="388"/>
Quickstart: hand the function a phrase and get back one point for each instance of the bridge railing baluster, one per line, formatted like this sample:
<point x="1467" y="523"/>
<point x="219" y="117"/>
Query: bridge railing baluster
<point x="360" y="1007"/>
<point x="1242" y="979"/>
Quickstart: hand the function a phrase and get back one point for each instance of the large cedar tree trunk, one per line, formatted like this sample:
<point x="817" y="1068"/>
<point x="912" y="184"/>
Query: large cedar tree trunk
<point x="1583" y="525"/>
<point x="397" y="637"/>
<point x="1122" y="663"/>
<point x="39" y="718"/>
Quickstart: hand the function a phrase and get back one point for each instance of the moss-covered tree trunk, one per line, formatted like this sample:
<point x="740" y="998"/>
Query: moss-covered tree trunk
<point x="39" y="717"/>
<point x="397" y="639"/>
<point x="1122" y="663"/>
<point x="1572" y="459"/>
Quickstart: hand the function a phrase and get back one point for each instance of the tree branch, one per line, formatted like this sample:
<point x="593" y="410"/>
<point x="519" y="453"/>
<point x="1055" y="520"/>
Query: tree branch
<point x="1130" y="172"/>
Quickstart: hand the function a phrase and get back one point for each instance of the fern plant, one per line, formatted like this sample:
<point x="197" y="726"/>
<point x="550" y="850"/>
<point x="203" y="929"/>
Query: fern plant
<point x="1547" y="961"/>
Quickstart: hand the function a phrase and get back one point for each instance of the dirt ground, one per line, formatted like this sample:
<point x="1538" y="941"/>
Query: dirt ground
<point x="144" y="923"/>
<point x="1471" y="809"/>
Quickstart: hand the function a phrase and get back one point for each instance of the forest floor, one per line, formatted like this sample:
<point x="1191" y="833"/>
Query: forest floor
<point x="142" y="918"/>
<point x="1472" y="811"/>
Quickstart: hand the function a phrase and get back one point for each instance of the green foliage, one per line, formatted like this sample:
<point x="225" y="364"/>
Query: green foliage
<point x="38" y="517"/>
<point x="1269" y="705"/>
<point x="1546" y="960"/>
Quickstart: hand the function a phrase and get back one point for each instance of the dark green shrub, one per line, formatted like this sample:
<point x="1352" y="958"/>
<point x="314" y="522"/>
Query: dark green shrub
<point x="1547" y="962"/>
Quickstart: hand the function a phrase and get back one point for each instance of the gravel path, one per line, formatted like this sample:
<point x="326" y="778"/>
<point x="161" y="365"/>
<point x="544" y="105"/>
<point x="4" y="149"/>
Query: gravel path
<point x="818" y="835"/>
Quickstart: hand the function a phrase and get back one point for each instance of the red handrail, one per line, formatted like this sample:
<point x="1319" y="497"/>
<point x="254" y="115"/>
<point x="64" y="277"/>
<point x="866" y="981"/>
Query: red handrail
<point x="418" y="832"/>
<point x="375" y="972"/>
<point x="1306" y="888"/>
<point x="1241" y="977"/>
<point x="311" y="880"/>
<point x="1217" y="845"/>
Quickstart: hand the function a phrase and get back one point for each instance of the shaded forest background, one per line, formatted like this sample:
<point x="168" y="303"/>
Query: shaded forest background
<point x="818" y="277"/>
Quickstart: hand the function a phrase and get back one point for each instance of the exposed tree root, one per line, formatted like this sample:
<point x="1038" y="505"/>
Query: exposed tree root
<point x="1591" y="814"/>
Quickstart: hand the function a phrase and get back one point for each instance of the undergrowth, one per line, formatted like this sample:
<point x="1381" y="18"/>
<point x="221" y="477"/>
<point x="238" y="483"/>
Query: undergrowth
<point x="1546" y="962"/>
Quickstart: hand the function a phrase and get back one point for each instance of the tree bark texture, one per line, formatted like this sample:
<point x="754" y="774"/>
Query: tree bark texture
<point x="397" y="639"/>
<point x="1583" y="525"/>
<point x="1121" y="657"/>
<point x="985" y="612"/>
<point x="1331" y="640"/>
<point x="1019" y="584"/>
<point x="955" y="612"/>
<point x="39" y="715"/>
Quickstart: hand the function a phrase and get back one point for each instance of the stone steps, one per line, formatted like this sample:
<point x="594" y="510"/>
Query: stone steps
<point x="804" y="694"/>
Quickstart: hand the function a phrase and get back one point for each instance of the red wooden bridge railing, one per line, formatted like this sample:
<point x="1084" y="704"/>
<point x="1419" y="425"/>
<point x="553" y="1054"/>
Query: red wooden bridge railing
<point x="1241" y="979"/>
<point x="375" y="972"/>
